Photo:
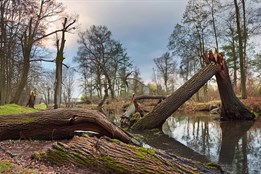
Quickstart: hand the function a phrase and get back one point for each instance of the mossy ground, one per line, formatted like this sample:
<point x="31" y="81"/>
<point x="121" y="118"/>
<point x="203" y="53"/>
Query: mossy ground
<point x="5" y="166"/>
<point x="16" y="109"/>
<point x="9" y="167"/>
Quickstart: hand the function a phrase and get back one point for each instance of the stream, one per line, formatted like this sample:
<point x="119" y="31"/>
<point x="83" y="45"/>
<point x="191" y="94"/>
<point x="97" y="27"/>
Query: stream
<point x="236" y="145"/>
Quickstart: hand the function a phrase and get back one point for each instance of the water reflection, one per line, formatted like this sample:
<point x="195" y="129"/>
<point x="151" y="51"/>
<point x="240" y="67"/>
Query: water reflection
<point x="235" y="145"/>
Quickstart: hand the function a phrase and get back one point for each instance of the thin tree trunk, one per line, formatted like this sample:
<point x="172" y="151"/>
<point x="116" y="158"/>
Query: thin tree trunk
<point x="58" y="82"/>
<point x="214" y="24"/>
<point x="241" y="54"/>
<point x="234" y="63"/>
<point x="59" y="68"/>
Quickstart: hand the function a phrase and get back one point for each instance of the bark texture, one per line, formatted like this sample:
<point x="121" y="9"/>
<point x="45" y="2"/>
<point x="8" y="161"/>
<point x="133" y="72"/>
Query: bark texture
<point x="112" y="156"/>
<point x="168" y="106"/>
<point x="232" y="108"/>
<point x="57" y="124"/>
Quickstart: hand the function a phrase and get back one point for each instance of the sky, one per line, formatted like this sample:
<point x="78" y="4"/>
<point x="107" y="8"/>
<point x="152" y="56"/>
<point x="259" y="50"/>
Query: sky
<point x="142" y="26"/>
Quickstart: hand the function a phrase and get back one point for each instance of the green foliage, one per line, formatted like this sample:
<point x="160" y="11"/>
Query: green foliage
<point x="5" y="166"/>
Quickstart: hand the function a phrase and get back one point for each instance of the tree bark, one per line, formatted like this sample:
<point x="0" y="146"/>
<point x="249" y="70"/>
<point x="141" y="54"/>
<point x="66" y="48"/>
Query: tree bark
<point x="163" y="110"/>
<point x="232" y="108"/>
<point x="57" y="124"/>
<point x="112" y="156"/>
<point x="241" y="54"/>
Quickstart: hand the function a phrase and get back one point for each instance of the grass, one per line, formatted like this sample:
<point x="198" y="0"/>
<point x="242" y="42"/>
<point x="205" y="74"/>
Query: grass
<point x="16" y="109"/>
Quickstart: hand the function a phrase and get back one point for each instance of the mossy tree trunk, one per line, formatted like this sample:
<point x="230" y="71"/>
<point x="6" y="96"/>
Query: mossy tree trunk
<point x="57" y="124"/>
<point x="168" y="106"/>
<point x="112" y="156"/>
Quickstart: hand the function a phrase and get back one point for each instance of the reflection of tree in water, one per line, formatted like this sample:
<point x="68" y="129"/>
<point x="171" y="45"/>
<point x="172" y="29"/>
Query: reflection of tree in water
<point x="201" y="134"/>
<point x="234" y="144"/>
<point x="229" y="143"/>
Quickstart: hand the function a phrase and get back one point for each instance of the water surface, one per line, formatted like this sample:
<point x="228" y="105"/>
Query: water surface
<point x="235" y="145"/>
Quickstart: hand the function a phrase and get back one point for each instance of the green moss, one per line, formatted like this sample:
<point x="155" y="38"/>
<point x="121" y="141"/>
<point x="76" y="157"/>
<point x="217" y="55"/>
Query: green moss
<point x="84" y="160"/>
<point x="112" y="164"/>
<point x="212" y="165"/>
<point x="116" y="141"/>
<point x="143" y="152"/>
<point x="29" y="171"/>
<point x="41" y="106"/>
<point x="5" y="166"/>
<point x="255" y="114"/>
<point x="57" y="154"/>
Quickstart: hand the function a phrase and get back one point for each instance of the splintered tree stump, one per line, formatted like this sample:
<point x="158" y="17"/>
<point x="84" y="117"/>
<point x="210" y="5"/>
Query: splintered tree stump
<point x="232" y="108"/>
<point x="112" y="156"/>
<point x="168" y="106"/>
<point x="58" y="124"/>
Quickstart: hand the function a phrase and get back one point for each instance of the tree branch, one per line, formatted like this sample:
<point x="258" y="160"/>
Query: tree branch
<point x="46" y="60"/>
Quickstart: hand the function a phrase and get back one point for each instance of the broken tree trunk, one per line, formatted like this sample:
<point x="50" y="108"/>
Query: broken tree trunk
<point x="112" y="156"/>
<point x="57" y="124"/>
<point x="168" y="106"/>
<point x="232" y="108"/>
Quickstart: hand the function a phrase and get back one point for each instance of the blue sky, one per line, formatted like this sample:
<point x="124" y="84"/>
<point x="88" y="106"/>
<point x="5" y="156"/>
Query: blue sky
<point x="142" y="26"/>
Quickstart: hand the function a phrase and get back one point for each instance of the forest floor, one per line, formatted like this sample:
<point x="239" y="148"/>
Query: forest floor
<point x="16" y="155"/>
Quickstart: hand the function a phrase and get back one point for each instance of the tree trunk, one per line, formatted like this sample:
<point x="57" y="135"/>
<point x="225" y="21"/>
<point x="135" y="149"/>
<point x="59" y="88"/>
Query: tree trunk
<point x="24" y="77"/>
<point x="58" y="81"/>
<point x="234" y="62"/>
<point x="57" y="124"/>
<point x="232" y="108"/>
<point x="59" y="68"/>
<point x="163" y="110"/>
<point x="241" y="54"/>
<point x="112" y="156"/>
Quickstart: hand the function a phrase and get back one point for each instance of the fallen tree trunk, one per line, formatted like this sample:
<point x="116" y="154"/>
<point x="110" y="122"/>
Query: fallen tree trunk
<point x="57" y="124"/>
<point x="112" y="156"/>
<point x="145" y="97"/>
<point x="168" y="106"/>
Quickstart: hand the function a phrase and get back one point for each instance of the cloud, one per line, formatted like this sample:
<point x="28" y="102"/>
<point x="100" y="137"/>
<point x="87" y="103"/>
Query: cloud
<point x="143" y="27"/>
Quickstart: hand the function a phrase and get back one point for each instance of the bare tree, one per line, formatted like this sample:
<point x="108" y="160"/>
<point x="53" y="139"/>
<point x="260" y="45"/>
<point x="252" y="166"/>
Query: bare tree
<point x="105" y="55"/>
<point x="166" y="66"/>
<point x="37" y="16"/>
<point x="59" y="62"/>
